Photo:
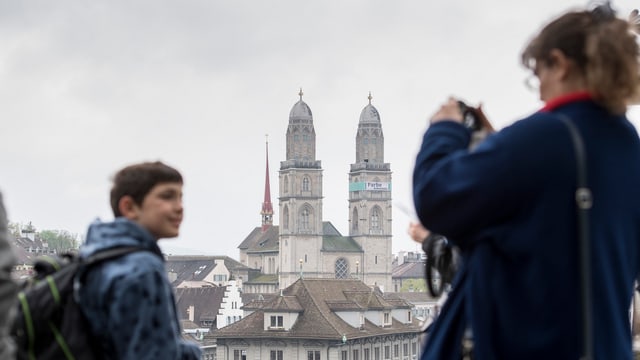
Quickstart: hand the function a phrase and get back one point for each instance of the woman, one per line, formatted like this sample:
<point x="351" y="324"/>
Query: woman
<point x="508" y="204"/>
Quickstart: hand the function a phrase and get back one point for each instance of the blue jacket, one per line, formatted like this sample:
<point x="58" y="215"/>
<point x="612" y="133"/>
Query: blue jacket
<point x="509" y="205"/>
<point x="128" y="300"/>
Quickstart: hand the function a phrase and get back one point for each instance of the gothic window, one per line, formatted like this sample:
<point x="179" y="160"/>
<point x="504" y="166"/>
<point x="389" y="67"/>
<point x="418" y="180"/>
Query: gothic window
<point x="354" y="220"/>
<point x="285" y="215"/>
<point x="305" y="183"/>
<point x="375" y="218"/>
<point x="342" y="268"/>
<point x="304" y="219"/>
<point x="286" y="184"/>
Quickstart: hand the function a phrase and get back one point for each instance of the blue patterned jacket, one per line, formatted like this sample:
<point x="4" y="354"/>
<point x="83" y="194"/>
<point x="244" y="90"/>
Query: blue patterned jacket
<point x="128" y="300"/>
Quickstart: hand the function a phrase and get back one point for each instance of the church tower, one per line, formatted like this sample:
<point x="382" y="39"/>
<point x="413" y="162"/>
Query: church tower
<point x="300" y="200"/>
<point x="267" y="207"/>
<point x="370" y="200"/>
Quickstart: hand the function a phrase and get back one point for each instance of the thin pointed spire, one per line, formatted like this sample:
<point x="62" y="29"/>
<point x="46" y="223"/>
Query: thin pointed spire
<point x="267" y="206"/>
<point x="369" y="97"/>
<point x="300" y="93"/>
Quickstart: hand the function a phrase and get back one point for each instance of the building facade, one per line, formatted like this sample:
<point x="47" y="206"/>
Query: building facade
<point x="304" y="242"/>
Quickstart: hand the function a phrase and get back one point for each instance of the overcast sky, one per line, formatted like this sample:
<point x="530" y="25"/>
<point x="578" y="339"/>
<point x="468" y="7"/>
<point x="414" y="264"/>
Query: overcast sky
<point x="87" y="87"/>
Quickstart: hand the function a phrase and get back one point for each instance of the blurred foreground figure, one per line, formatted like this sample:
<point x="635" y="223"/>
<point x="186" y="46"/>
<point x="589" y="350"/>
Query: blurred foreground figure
<point x="509" y="204"/>
<point x="8" y="288"/>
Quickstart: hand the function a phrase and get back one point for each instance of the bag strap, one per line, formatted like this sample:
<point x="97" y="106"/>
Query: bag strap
<point x="584" y="201"/>
<point x="103" y="255"/>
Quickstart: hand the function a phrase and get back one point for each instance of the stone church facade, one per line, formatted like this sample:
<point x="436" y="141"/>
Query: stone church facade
<point x="304" y="244"/>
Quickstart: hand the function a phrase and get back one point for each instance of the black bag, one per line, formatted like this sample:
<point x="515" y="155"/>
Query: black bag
<point x="49" y="323"/>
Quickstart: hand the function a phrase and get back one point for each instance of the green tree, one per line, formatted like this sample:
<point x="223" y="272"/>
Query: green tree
<point x="61" y="240"/>
<point x="414" y="285"/>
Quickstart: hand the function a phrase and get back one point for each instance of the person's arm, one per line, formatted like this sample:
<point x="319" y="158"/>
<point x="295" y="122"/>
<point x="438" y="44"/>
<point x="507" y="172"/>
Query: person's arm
<point x="142" y="320"/>
<point x="8" y="287"/>
<point x="458" y="192"/>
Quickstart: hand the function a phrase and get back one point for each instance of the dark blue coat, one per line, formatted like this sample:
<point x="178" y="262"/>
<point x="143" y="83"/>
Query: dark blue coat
<point x="509" y="206"/>
<point x="128" y="301"/>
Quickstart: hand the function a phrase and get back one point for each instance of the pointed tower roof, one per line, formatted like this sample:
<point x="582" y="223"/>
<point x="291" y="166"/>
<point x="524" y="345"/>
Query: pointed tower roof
<point x="267" y="206"/>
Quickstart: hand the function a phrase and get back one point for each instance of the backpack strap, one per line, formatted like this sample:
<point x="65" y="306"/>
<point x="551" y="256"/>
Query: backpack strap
<point x="584" y="201"/>
<point x="115" y="252"/>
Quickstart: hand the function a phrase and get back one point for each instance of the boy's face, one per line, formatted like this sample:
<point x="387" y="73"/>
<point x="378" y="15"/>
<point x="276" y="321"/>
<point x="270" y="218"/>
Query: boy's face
<point x="161" y="210"/>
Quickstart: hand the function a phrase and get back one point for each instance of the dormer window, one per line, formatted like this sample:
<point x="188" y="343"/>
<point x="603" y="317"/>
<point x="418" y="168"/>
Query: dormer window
<point x="277" y="322"/>
<point x="386" y="318"/>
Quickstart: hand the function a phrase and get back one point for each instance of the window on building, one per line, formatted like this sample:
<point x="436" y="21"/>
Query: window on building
<point x="277" y="321"/>
<point x="239" y="354"/>
<point x="356" y="354"/>
<point x="342" y="269"/>
<point x="376" y="261"/>
<point x="285" y="185"/>
<point x="276" y="355"/>
<point x="305" y="183"/>
<point x="376" y="353"/>
<point x="405" y="350"/>
<point x="304" y="219"/>
<point x="375" y="218"/>
<point x="285" y="217"/>
<point x="220" y="277"/>
<point x="366" y="354"/>
<point x="345" y="355"/>
<point x="409" y="315"/>
<point x="386" y="318"/>
<point x="414" y="348"/>
<point x="387" y="352"/>
<point x="396" y="350"/>
<point x="354" y="220"/>
<point x="313" y="355"/>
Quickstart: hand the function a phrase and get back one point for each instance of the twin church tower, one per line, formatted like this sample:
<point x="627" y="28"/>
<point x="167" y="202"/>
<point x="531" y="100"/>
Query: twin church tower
<point x="304" y="244"/>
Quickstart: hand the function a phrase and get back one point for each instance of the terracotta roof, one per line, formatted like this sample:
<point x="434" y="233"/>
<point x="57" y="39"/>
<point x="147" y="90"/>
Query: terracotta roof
<point x="319" y="298"/>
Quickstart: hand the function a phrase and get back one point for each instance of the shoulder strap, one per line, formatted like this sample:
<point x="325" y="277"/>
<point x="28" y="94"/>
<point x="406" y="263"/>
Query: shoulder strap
<point x="584" y="202"/>
<point x="103" y="255"/>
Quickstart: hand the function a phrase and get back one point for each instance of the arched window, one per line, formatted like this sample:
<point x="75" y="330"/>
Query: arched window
<point x="285" y="216"/>
<point x="342" y="268"/>
<point x="375" y="218"/>
<point x="304" y="219"/>
<point x="306" y="183"/>
<point x="354" y="220"/>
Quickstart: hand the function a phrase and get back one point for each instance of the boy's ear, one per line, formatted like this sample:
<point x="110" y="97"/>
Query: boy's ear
<point x="128" y="208"/>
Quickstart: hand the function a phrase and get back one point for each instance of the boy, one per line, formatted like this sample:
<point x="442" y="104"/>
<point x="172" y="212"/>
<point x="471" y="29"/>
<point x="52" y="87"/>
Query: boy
<point x="128" y="301"/>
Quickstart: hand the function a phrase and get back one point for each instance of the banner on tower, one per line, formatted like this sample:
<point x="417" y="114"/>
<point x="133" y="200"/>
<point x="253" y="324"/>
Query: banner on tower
<point x="370" y="186"/>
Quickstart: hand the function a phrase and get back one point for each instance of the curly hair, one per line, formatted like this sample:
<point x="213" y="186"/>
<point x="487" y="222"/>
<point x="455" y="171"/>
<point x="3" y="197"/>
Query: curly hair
<point x="603" y="47"/>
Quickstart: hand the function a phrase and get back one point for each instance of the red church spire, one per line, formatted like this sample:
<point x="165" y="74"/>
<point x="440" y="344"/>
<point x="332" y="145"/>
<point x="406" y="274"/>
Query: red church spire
<point x="267" y="207"/>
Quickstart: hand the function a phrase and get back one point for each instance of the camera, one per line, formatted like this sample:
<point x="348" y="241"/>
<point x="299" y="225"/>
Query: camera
<point x="470" y="116"/>
<point x="443" y="260"/>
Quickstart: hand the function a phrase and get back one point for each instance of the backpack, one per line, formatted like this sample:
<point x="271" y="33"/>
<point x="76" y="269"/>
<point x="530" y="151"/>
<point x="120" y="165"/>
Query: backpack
<point x="49" y="323"/>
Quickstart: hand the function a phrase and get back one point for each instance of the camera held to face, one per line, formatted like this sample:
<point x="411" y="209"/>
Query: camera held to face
<point x="470" y="117"/>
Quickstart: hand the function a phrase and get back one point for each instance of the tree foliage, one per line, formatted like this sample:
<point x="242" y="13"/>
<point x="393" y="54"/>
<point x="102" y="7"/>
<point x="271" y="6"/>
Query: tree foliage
<point x="414" y="285"/>
<point x="61" y="240"/>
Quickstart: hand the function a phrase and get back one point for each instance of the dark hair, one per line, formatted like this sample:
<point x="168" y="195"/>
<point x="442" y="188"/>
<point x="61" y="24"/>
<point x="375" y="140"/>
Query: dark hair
<point x="138" y="179"/>
<point x="603" y="47"/>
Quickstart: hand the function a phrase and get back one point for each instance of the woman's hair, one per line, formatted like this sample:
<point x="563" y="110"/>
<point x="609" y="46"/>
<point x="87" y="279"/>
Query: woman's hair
<point x="603" y="47"/>
<point x="137" y="181"/>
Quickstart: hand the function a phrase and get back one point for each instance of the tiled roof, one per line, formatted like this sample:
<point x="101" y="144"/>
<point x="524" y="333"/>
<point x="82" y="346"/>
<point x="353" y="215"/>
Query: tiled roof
<point x="196" y="268"/>
<point x="248" y="297"/>
<point x="206" y="302"/>
<point x="415" y="297"/>
<point x="340" y="243"/>
<point x="264" y="279"/>
<point x="259" y="241"/>
<point x="409" y="270"/>
<point x="320" y="298"/>
<point x="283" y="304"/>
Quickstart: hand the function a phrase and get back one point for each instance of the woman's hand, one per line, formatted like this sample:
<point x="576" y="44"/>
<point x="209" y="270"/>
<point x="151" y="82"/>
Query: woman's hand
<point x="450" y="111"/>
<point x="417" y="232"/>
